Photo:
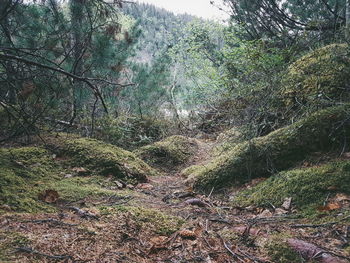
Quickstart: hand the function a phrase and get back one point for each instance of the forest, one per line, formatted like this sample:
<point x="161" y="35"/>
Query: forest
<point x="129" y="133"/>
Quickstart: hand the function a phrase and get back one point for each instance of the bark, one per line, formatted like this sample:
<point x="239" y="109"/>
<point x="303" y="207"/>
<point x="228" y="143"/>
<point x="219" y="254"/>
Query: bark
<point x="311" y="252"/>
<point x="347" y="25"/>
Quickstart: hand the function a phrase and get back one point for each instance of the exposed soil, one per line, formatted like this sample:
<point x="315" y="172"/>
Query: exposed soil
<point x="211" y="229"/>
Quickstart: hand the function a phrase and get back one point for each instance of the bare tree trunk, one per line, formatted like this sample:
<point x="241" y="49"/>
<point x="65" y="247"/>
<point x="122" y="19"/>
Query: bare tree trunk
<point x="77" y="13"/>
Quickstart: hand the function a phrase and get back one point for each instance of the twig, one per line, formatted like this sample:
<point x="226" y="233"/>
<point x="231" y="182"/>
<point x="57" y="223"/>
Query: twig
<point x="37" y="253"/>
<point x="319" y="225"/>
<point x="229" y="249"/>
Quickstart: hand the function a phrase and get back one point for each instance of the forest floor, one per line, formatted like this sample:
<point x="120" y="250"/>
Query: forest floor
<point x="165" y="221"/>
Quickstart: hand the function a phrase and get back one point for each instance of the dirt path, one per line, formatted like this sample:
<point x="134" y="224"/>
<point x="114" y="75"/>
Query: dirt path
<point x="161" y="221"/>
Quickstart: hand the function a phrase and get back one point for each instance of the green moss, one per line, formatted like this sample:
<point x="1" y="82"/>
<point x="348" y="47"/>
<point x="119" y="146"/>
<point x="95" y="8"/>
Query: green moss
<point x="308" y="187"/>
<point x="27" y="172"/>
<point x="161" y="223"/>
<point x="279" y="251"/>
<point x="280" y="150"/>
<point x="320" y="76"/>
<point x="78" y="188"/>
<point x="172" y="151"/>
<point x="104" y="159"/>
<point x="23" y="173"/>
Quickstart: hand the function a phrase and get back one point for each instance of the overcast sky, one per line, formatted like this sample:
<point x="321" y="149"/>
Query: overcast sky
<point x="201" y="8"/>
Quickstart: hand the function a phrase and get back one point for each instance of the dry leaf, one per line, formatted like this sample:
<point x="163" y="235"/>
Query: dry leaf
<point x="49" y="196"/>
<point x="330" y="207"/>
<point x="187" y="234"/>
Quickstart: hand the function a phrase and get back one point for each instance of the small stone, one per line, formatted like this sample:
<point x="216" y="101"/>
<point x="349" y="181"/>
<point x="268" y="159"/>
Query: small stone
<point x="287" y="204"/>
<point x="130" y="186"/>
<point x="68" y="176"/>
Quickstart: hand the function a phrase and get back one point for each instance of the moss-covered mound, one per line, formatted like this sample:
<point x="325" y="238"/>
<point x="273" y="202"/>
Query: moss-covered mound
<point x="280" y="150"/>
<point x="103" y="159"/>
<point x="308" y="186"/>
<point x="170" y="152"/>
<point x="23" y="172"/>
<point x="320" y="76"/>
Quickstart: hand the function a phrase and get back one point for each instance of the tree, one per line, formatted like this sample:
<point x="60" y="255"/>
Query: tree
<point x="286" y="19"/>
<point x="47" y="53"/>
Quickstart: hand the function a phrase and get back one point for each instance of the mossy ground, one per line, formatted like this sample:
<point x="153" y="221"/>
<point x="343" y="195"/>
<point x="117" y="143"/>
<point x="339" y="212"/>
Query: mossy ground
<point x="161" y="223"/>
<point x="308" y="187"/>
<point x="280" y="150"/>
<point x="278" y="250"/>
<point x="28" y="171"/>
<point x="168" y="153"/>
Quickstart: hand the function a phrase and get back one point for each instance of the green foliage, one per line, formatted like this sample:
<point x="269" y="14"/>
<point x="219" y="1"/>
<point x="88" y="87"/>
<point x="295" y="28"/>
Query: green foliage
<point x="308" y="187"/>
<point x="131" y="132"/>
<point x="280" y="150"/>
<point x="170" y="152"/>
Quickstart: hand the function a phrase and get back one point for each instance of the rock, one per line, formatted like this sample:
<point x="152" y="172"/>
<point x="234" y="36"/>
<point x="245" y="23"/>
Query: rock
<point x="68" y="176"/>
<point x="287" y="203"/>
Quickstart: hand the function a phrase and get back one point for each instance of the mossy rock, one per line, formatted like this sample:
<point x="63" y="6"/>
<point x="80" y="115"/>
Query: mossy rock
<point x="319" y="77"/>
<point x="308" y="187"/>
<point x="280" y="150"/>
<point x="168" y="153"/>
<point x="103" y="159"/>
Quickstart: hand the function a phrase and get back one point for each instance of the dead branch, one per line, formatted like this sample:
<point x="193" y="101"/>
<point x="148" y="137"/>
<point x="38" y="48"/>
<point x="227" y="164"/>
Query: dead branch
<point x="311" y="252"/>
<point x="83" y="214"/>
<point x="319" y="225"/>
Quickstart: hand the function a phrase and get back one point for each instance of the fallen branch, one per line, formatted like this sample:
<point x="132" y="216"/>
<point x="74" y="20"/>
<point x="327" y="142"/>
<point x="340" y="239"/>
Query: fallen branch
<point x="37" y="253"/>
<point x="83" y="214"/>
<point x="319" y="225"/>
<point x="311" y="252"/>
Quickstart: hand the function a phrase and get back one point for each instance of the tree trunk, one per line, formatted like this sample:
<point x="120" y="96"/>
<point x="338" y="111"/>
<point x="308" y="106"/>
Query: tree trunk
<point x="10" y="94"/>
<point x="347" y="25"/>
<point x="77" y="14"/>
